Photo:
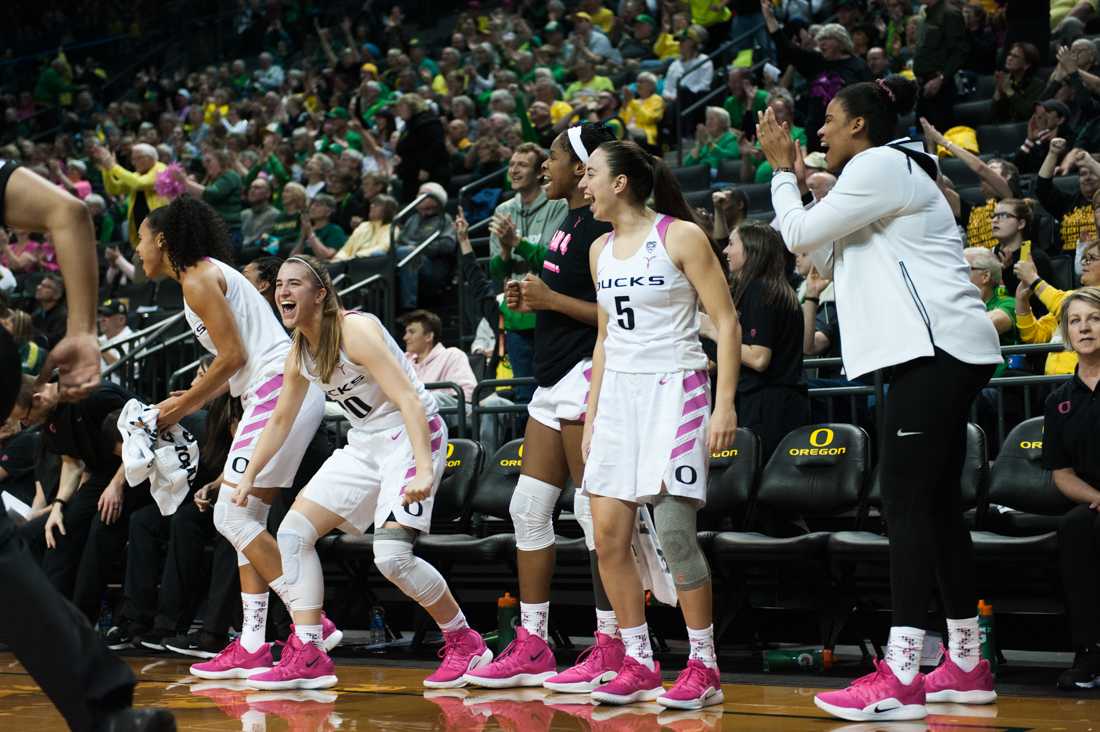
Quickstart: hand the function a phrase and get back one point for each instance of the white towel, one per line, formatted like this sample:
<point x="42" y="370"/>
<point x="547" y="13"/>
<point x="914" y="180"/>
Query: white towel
<point x="652" y="566"/>
<point x="168" y="459"/>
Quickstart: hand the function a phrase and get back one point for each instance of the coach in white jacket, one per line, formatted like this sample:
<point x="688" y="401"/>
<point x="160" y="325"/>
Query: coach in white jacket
<point x="905" y="303"/>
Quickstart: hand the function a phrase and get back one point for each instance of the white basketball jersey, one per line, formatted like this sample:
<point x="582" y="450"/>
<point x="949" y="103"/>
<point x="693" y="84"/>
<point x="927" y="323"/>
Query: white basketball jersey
<point x="652" y="309"/>
<point x="266" y="343"/>
<point x="362" y="400"/>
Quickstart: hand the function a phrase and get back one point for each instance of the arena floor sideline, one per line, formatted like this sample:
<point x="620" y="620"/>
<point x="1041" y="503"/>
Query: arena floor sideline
<point x="385" y="696"/>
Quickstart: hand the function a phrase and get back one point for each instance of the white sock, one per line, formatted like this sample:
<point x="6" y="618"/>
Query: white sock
<point x="637" y="644"/>
<point x="455" y="624"/>
<point x="309" y="634"/>
<point x="701" y="643"/>
<point x="607" y="623"/>
<point x="535" y="618"/>
<point x="963" y="643"/>
<point x="254" y="721"/>
<point x="254" y="623"/>
<point x="903" y="652"/>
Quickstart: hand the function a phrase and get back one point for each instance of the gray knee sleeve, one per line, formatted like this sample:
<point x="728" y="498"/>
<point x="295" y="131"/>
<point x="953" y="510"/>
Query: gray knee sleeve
<point x="674" y="518"/>
<point x="394" y="558"/>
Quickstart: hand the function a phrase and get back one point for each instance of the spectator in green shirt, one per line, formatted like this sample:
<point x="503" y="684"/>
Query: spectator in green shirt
<point x="588" y="85"/>
<point x="782" y="104"/>
<point x="222" y="190"/>
<point x="285" y="235"/>
<point x="321" y="237"/>
<point x="744" y="97"/>
<point x="714" y="140"/>
<point x="986" y="274"/>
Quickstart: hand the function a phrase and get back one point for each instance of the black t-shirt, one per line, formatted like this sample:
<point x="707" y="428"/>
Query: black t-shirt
<point x="561" y="342"/>
<point x="1070" y="430"/>
<point x="777" y="328"/>
<point x="18" y="458"/>
<point x="76" y="430"/>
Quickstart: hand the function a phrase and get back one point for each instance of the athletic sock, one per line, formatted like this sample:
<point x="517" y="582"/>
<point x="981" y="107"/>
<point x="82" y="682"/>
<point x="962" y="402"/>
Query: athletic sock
<point x="253" y="721"/>
<point x="535" y="618"/>
<point x="637" y="645"/>
<point x="254" y="622"/>
<point x="701" y="643"/>
<point x="281" y="588"/>
<point x="903" y="652"/>
<point x="455" y="624"/>
<point x="309" y="634"/>
<point x="607" y="623"/>
<point x="963" y="643"/>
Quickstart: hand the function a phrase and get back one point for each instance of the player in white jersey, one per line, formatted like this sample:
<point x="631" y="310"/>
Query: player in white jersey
<point x="649" y="432"/>
<point x="386" y="476"/>
<point x="186" y="241"/>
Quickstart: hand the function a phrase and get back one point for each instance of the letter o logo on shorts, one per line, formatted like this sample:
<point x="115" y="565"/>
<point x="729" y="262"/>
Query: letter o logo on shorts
<point x="450" y="449"/>
<point x="237" y="466"/>
<point x="821" y="437"/>
<point x="686" y="474"/>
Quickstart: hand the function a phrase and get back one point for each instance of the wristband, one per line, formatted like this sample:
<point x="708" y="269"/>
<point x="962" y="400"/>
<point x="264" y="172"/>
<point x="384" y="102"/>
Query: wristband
<point x="1038" y="281"/>
<point x="61" y="501"/>
<point x="816" y="301"/>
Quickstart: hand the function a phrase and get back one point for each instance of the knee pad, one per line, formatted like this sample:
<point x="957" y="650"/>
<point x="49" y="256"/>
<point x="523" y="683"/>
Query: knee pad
<point x="582" y="512"/>
<point x="296" y="536"/>
<point x="416" y="578"/>
<point x="532" y="511"/>
<point x="675" y="521"/>
<point x="239" y="525"/>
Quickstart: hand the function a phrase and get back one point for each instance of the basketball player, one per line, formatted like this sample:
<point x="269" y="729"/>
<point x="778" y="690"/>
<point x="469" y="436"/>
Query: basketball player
<point x="386" y="476"/>
<point x="649" y="431"/>
<point x="187" y="241"/>
<point x="565" y="302"/>
<point x="91" y="688"/>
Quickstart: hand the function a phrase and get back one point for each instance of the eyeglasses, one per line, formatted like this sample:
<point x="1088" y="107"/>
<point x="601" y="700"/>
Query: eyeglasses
<point x="1089" y="260"/>
<point x="1003" y="215"/>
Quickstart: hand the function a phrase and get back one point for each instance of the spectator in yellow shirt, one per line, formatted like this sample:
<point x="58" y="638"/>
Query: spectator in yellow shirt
<point x="372" y="237"/>
<point x="667" y="46"/>
<point x="600" y="16"/>
<point x="546" y="91"/>
<point x="642" y="114"/>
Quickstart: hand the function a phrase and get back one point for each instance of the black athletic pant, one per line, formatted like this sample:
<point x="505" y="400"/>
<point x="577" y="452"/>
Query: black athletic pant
<point x="54" y="641"/>
<point x="1079" y="556"/>
<point x="924" y="449"/>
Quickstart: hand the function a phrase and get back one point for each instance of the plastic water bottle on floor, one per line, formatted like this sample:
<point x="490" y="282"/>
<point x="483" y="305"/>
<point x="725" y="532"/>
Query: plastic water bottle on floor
<point x="798" y="659"/>
<point x="105" y="618"/>
<point x="507" y="618"/>
<point x="377" y="627"/>
<point x="986" y="635"/>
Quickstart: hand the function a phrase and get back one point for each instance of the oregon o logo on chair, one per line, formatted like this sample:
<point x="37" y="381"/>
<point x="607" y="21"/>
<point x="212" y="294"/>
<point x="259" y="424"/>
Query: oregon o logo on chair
<point x="515" y="462"/>
<point x="730" y="453"/>
<point x="821" y="443"/>
<point x="451" y="451"/>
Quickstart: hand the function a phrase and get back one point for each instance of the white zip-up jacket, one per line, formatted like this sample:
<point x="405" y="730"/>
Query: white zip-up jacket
<point x="902" y="285"/>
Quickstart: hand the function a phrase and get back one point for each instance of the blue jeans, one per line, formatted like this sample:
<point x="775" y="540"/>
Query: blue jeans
<point x="520" y="347"/>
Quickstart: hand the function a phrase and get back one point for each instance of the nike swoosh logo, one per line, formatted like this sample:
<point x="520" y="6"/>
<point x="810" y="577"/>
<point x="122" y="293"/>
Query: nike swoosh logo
<point x="312" y="663"/>
<point x="876" y="710"/>
<point x="394" y="437"/>
<point x="908" y="434"/>
<point x="538" y="655"/>
<point x="663" y="380"/>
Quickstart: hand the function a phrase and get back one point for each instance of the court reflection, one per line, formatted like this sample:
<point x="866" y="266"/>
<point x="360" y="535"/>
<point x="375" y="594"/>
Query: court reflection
<point x="301" y="710"/>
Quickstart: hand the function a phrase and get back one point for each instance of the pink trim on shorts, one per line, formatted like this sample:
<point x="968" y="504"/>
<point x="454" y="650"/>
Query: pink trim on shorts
<point x="269" y="386"/>
<point x="258" y="424"/>
<point x="694" y="380"/>
<point x="265" y="407"/>
<point x="681" y="449"/>
<point x="241" y="443"/>
<point x="689" y="426"/>
<point x="696" y="402"/>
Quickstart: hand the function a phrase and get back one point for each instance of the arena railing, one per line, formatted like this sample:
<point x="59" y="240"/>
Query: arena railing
<point x="150" y="357"/>
<point x="714" y="56"/>
<point x="458" y="410"/>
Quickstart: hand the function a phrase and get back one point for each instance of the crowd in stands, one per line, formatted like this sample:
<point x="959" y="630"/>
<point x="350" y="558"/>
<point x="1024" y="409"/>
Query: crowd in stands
<point x="315" y="142"/>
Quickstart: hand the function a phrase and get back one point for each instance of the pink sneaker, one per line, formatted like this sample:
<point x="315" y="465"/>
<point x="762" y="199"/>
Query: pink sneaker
<point x="527" y="661"/>
<point x="597" y="665"/>
<point x="876" y="697"/>
<point x="330" y="634"/>
<point x="462" y="651"/>
<point x="696" y="687"/>
<point x="234" y="662"/>
<point x="949" y="683"/>
<point x="302" y="666"/>
<point x="634" y="683"/>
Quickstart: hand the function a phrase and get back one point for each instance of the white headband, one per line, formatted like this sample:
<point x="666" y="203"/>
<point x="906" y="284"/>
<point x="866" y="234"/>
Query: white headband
<point x="575" y="142"/>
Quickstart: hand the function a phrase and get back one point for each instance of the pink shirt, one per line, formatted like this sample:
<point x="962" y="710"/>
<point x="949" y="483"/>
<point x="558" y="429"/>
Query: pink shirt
<point x="445" y="364"/>
<point x="43" y="250"/>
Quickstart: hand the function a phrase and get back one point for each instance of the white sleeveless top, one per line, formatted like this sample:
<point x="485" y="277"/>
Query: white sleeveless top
<point x="266" y="343"/>
<point x="652" y="309"/>
<point x="352" y="387"/>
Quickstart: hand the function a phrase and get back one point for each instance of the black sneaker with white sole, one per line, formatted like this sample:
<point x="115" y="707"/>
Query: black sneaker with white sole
<point x="154" y="639"/>
<point x="197" y="643"/>
<point x="1085" y="673"/>
<point x="122" y="637"/>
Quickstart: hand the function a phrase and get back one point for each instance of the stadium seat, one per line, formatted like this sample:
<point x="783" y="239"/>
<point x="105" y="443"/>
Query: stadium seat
<point x="759" y="195"/>
<point x="729" y="171"/>
<point x="169" y="295"/>
<point x="860" y="546"/>
<point x="699" y="199"/>
<point x="971" y="194"/>
<point x="973" y="114"/>
<point x="1068" y="183"/>
<point x="693" y="177"/>
<point x="959" y="172"/>
<point x="1001" y="140"/>
<point x="986" y="85"/>
<point x="1018" y="483"/>
<point x="731" y="485"/>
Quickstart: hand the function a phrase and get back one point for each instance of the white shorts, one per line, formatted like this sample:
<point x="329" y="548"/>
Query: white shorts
<point x="650" y="432"/>
<point x="566" y="400"/>
<point x="259" y="402"/>
<point x="364" y="481"/>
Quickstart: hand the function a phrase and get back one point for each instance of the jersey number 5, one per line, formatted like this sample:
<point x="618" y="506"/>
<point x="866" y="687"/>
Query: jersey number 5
<point x="356" y="407"/>
<point x="626" y="314"/>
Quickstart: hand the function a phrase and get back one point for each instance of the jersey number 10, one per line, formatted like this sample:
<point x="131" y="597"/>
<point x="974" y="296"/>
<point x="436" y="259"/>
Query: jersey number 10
<point x="356" y="407"/>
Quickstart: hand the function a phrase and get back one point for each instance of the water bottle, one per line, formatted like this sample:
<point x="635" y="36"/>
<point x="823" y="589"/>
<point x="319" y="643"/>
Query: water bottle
<point x="507" y="618"/>
<point x="106" y="621"/>
<point x="798" y="659"/>
<point x="986" y="635"/>
<point x="377" y="627"/>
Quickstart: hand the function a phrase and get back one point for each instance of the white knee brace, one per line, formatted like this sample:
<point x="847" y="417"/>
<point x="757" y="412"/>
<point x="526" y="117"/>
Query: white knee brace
<point x="412" y="575"/>
<point x="532" y="510"/>
<point x="582" y="512"/>
<point x="301" y="566"/>
<point x="239" y="525"/>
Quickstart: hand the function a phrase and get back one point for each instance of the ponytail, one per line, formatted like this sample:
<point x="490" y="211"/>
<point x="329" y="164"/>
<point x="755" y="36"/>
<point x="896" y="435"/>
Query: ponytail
<point x="648" y="175"/>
